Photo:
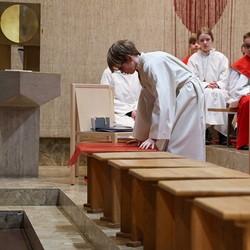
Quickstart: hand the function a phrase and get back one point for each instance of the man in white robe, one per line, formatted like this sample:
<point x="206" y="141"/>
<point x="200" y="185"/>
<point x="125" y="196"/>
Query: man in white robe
<point x="127" y="90"/>
<point x="171" y="105"/>
<point x="210" y="67"/>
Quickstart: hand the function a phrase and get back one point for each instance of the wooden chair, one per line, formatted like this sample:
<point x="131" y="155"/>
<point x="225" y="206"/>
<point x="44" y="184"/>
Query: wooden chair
<point x="88" y="101"/>
<point x="231" y="112"/>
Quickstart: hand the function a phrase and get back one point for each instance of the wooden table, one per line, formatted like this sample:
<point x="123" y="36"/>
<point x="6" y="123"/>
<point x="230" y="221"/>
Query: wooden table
<point x="175" y="207"/>
<point x="144" y="187"/>
<point x="112" y="192"/>
<point x="222" y="223"/>
<point x="121" y="168"/>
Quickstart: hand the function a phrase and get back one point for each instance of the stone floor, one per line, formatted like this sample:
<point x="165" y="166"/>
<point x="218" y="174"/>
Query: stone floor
<point x="56" y="230"/>
<point x="53" y="226"/>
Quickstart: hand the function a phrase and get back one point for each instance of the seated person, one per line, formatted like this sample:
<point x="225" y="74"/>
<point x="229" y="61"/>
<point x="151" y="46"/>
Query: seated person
<point x="127" y="89"/>
<point x="211" y="67"/>
<point x="238" y="91"/>
<point x="243" y="49"/>
<point x="193" y="46"/>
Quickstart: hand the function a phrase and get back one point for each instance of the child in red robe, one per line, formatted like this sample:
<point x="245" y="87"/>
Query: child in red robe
<point x="193" y="46"/>
<point x="239" y="90"/>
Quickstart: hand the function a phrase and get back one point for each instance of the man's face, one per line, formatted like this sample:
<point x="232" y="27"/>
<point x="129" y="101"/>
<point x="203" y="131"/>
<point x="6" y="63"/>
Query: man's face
<point x="247" y="46"/>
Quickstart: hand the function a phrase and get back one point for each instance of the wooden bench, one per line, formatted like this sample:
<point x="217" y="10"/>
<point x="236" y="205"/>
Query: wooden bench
<point x="144" y="187"/>
<point x="112" y="181"/>
<point x="221" y="223"/>
<point x="175" y="206"/>
<point x="95" y="169"/>
<point x="231" y="112"/>
<point x="121" y="167"/>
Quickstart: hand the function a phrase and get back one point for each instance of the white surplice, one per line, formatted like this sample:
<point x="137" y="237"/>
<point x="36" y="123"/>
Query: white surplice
<point x="127" y="90"/>
<point x="209" y="67"/>
<point x="171" y="105"/>
<point x="238" y="86"/>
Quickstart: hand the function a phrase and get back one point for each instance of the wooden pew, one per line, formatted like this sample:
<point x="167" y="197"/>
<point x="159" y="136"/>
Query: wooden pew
<point x="175" y="208"/>
<point x="122" y="167"/>
<point x="221" y="223"/>
<point x="111" y="180"/>
<point x="144" y="187"/>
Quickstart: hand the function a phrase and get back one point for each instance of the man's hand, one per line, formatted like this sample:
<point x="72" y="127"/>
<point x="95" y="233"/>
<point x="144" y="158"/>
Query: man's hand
<point x="133" y="115"/>
<point x="149" y="143"/>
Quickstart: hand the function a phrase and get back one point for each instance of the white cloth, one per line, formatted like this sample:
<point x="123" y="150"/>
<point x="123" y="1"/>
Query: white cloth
<point x="127" y="90"/>
<point x="171" y="105"/>
<point x="238" y="86"/>
<point x="209" y="67"/>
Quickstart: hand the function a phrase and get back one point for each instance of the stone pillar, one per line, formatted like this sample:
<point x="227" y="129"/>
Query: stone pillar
<point x="21" y="95"/>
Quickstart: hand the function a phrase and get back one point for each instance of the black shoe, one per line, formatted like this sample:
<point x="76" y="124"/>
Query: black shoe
<point x="223" y="139"/>
<point x="246" y="147"/>
<point x="208" y="137"/>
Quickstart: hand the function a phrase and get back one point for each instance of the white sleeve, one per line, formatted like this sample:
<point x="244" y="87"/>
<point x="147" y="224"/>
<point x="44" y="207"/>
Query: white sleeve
<point x="224" y="72"/>
<point x="106" y="77"/>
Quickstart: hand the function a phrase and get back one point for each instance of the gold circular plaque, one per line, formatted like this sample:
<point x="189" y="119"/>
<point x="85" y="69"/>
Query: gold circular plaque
<point x="19" y="23"/>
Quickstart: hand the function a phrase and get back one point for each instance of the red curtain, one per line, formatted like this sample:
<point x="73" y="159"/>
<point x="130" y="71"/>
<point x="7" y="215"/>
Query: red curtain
<point x="199" y="13"/>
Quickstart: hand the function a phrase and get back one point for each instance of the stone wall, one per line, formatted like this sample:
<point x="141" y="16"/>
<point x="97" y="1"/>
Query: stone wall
<point x="55" y="152"/>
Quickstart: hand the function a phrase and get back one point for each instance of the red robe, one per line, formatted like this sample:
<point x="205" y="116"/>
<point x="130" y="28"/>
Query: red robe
<point x="186" y="60"/>
<point x="243" y="67"/>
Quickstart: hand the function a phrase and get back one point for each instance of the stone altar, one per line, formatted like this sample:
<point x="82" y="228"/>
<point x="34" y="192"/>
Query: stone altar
<point x="21" y="95"/>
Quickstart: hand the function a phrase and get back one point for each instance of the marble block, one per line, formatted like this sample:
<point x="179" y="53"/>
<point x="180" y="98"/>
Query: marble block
<point x="28" y="197"/>
<point x="22" y="93"/>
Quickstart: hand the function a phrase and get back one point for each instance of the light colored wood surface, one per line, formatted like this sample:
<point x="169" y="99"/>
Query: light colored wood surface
<point x="112" y="182"/>
<point x="221" y="223"/>
<point x="206" y="187"/>
<point x="233" y="110"/>
<point x="180" y="211"/>
<point x="228" y="208"/>
<point x="186" y="173"/>
<point x="155" y="163"/>
<point x="135" y="155"/>
<point x="175" y="211"/>
<point x="93" y="100"/>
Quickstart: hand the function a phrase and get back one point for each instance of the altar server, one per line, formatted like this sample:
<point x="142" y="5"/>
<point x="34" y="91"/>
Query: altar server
<point x="127" y="90"/>
<point x="171" y="104"/>
<point x="193" y="47"/>
<point x="239" y="90"/>
<point x="212" y="69"/>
